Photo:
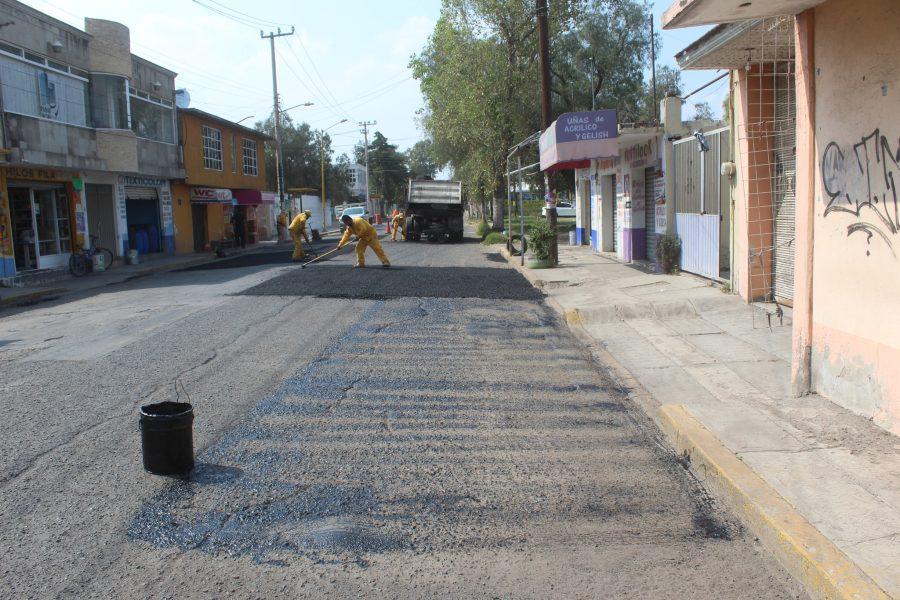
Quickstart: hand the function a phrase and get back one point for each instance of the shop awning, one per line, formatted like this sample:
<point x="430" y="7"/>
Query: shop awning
<point x="208" y="195"/>
<point x="574" y="139"/>
<point x="690" y="13"/>
<point x="252" y="197"/>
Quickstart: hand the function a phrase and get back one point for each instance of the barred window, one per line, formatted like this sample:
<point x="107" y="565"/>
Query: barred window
<point x="250" y="164"/>
<point x="212" y="148"/>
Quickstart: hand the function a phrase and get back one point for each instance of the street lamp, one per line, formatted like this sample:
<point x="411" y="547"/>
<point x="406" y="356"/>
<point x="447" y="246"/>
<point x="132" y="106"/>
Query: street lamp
<point x="242" y="120"/>
<point x="296" y="106"/>
<point x="322" y="155"/>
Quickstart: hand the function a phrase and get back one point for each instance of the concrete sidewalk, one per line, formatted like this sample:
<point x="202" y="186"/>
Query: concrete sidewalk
<point x="677" y="340"/>
<point x="17" y="296"/>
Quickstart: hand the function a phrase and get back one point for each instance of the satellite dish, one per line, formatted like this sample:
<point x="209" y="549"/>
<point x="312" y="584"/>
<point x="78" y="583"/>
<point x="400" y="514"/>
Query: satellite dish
<point x="182" y="98"/>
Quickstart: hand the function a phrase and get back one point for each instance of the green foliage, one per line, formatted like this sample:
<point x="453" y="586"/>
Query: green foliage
<point x="388" y="174"/>
<point x="540" y="238"/>
<point x="421" y="160"/>
<point x="302" y="147"/>
<point x="494" y="237"/>
<point x="703" y="111"/>
<point x="668" y="251"/>
<point x="482" y="229"/>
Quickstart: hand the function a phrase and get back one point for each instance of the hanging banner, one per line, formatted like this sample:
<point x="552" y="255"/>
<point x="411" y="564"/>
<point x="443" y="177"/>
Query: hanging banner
<point x="659" y="203"/>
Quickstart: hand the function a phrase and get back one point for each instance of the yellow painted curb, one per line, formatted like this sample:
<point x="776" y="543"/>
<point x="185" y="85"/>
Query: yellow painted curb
<point x="810" y="557"/>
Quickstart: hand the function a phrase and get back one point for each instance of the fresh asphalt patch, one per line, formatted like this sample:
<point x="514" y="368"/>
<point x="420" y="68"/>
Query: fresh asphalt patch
<point x="259" y="259"/>
<point x="374" y="283"/>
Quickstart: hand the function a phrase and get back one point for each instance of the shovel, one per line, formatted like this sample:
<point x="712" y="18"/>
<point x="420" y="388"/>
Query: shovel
<point x="320" y="257"/>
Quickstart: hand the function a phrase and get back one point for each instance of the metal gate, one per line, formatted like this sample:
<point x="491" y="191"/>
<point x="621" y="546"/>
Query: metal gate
<point x="784" y="190"/>
<point x="701" y="199"/>
<point x="650" y="212"/>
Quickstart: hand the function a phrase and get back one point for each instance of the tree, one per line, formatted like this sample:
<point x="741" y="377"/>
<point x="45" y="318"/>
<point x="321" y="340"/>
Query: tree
<point x="479" y="77"/>
<point x="605" y="54"/>
<point x="301" y="146"/>
<point x="668" y="83"/>
<point x="420" y="160"/>
<point x="703" y="112"/>
<point x="388" y="174"/>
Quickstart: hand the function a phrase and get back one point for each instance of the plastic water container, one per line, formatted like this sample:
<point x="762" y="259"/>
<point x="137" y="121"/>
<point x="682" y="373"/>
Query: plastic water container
<point x="132" y="257"/>
<point x="99" y="263"/>
<point x="573" y="239"/>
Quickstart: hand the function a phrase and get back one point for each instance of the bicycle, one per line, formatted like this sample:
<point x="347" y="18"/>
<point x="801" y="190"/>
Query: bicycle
<point x="82" y="262"/>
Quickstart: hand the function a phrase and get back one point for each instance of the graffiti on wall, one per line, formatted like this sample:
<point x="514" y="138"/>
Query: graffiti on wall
<point x="863" y="182"/>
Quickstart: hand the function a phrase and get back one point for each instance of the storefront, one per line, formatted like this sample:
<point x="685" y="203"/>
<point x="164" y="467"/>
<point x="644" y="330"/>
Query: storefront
<point x="254" y="205"/>
<point x="211" y="210"/>
<point x="144" y="214"/>
<point x="42" y="219"/>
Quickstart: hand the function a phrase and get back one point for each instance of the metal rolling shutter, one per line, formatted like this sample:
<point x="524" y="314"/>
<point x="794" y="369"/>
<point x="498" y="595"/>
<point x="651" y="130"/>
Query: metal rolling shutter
<point x="650" y="212"/>
<point x="140" y="193"/>
<point x="784" y="195"/>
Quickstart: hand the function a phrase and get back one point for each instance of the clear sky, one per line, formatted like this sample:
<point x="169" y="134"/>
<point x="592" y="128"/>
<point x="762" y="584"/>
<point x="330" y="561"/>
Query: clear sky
<point x="349" y="57"/>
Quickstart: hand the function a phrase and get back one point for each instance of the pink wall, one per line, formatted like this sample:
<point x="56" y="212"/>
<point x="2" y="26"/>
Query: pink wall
<point x="855" y="318"/>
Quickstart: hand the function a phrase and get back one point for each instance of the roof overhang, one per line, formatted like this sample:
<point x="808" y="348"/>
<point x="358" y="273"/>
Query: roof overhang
<point x="690" y="13"/>
<point x="735" y="45"/>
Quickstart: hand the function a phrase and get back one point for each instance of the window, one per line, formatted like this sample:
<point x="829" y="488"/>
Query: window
<point x="35" y="91"/>
<point x="250" y="164"/>
<point x="212" y="148"/>
<point x="233" y="155"/>
<point x="151" y="120"/>
<point x="109" y="104"/>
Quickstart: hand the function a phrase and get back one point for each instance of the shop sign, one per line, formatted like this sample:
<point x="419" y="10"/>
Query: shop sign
<point x="586" y="126"/>
<point x="639" y="155"/>
<point x="210" y="195"/>
<point x="37" y="174"/>
<point x="140" y="181"/>
<point x="659" y="203"/>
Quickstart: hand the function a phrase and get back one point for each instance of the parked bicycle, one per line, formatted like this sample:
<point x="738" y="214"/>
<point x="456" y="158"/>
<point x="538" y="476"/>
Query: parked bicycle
<point x="82" y="262"/>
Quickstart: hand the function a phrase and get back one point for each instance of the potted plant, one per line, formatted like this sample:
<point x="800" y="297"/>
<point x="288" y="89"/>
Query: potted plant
<point x="668" y="252"/>
<point x="540" y="239"/>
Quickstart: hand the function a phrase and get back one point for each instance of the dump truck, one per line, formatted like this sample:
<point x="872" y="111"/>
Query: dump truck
<point x="434" y="211"/>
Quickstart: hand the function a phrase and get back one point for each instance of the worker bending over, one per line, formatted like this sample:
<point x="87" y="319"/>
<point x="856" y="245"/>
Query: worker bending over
<point x="367" y="235"/>
<point x="298" y="232"/>
<point x="398" y="222"/>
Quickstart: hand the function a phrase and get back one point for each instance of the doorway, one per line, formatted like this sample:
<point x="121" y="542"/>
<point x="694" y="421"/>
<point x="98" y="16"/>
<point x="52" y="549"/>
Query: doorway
<point x="101" y="216"/>
<point x="198" y="219"/>
<point x="42" y="227"/>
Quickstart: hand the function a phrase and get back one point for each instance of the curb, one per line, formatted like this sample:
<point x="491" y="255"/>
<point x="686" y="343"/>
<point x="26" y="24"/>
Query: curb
<point x="30" y="297"/>
<point x="812" y="559"/>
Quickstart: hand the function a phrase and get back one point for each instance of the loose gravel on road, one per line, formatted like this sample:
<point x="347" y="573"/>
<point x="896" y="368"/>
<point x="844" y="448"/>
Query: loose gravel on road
<point x="429" y="431"/>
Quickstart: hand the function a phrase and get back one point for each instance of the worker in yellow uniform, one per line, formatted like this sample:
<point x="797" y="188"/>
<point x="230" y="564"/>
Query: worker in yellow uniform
<point x="281" y="225"/>
<point x="398" y="223"/>
<point x="298" y="232"/>
<point x="367" y="235"/>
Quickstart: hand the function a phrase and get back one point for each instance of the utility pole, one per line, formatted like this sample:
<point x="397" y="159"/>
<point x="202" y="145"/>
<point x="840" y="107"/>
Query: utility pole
<point x="546" y="111"/>
<point x="322" y="157"/>
<point x="365" y="131"/>
<point x="279" y="155"/>
<point x="653" y="69"/>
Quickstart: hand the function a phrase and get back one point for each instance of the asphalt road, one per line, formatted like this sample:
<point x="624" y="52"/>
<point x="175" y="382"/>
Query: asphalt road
<point x="426" y="431"/>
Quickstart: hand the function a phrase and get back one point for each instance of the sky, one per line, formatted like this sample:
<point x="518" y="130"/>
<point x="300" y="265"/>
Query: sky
<point x="348" y="57"/>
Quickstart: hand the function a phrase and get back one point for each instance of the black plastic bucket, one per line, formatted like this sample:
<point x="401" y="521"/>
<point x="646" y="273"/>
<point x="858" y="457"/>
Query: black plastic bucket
<point x="167" y="437"/>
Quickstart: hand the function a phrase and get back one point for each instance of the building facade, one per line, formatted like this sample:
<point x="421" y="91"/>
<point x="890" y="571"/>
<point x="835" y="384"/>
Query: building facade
<point x="815" y="94"/>
<point x="660" y="180"/>
<point x="225" y="172"/>
<point x="357" y="180"/>
<point x="88" y="130"/>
